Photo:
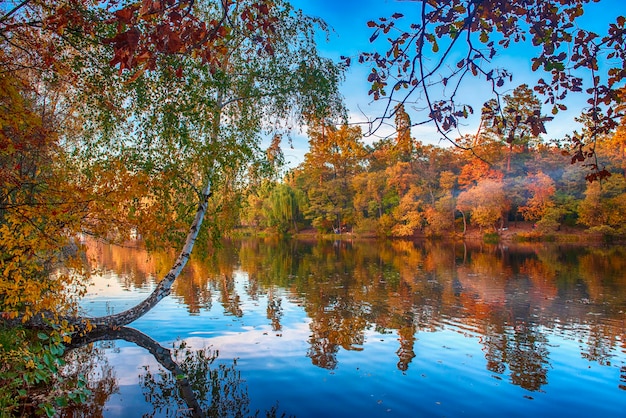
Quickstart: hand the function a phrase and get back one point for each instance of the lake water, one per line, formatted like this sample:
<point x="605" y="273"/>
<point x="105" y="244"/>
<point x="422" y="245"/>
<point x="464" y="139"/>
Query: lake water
<point x="365" y="329"/>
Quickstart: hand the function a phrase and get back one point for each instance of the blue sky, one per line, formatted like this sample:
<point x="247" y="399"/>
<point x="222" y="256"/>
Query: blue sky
<point x="350" y="35"/>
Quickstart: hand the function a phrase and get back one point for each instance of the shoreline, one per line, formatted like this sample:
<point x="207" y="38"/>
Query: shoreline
<point x="520" y="232"/>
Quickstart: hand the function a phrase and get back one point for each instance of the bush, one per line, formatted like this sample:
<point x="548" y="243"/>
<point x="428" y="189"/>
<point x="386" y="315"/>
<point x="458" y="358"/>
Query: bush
<point x="491" y="238"/>
<point x="532" y="236"/>
<point x="607" y="232"/>
<point x="29" y="374"/>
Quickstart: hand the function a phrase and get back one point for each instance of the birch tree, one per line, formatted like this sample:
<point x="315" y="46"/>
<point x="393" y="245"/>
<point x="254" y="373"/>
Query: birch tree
<point x="160" y="105"/>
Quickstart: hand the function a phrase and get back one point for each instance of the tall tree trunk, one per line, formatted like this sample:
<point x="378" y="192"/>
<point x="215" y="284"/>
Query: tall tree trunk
<point x="464" y="222"/>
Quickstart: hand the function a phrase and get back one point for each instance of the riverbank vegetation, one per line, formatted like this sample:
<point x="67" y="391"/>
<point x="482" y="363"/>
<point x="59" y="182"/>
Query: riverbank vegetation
<point x="149" y="118"/>
<point x="401" y="187"/>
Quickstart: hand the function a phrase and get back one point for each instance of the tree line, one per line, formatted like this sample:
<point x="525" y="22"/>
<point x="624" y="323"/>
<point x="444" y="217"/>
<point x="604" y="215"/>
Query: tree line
<point x="400" y="187"/>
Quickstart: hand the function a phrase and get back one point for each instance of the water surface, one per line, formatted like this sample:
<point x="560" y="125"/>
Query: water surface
<point x="356" y="329"/>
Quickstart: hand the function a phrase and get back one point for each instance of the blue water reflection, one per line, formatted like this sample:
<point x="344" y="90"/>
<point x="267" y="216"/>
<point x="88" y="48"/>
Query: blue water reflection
<point x="375" y="329"/>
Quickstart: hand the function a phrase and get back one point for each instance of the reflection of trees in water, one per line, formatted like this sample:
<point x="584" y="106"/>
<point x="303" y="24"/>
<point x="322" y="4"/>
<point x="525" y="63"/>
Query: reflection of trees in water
<point x="90" y="362"/>
<point x="219" y="390"/>
<point x="229" y="298"/>
<point x="369" y="291"/>
<point x="507" y="294"/>
<point x="404" y="287"/>
<point x="528" y="357"/>
<point x="186" y="383"/>
<point x="335" y="325"/>
<point x="406" y="337"/>
<point x="274" y="311"/>
<point x="521" y="348"/>
<point x="132" y="264"/>
<point x="601" y="341"/>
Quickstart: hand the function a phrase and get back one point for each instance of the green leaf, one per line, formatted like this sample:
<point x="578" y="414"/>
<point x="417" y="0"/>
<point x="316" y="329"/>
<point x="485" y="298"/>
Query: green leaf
<point x="48" y="409"/>
<point x="57" y="349"/>
<point x="549" y="66"/>
<point x="61" y="401"/>
<point x="47" y="359"/>
<point x="42" y="336"/>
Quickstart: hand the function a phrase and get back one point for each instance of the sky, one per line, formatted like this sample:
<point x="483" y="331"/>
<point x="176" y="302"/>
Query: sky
<point x="350" y="35"/>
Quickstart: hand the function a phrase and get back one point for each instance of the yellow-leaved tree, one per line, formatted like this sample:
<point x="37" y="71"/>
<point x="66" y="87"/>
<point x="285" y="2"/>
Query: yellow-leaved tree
<point x="122" y="117"/>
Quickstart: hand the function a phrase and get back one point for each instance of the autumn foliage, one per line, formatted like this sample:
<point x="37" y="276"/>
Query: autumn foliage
<point x="452" y="44"/>
<point x="117" y="119"/>
<point x="503" y="181"/>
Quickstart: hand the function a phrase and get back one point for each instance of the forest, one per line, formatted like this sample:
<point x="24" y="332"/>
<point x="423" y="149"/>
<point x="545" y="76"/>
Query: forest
<point x="126" y="118"/>
<point x="400" y="187"/>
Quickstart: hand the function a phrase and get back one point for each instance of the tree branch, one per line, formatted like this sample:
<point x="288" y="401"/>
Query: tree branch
<point x="12" y="11"/>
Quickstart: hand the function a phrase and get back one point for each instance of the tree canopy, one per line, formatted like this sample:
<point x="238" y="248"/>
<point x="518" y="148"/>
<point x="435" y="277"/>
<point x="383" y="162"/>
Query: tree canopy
<point x="142" y="106"/>
<point x="121" y="118"/>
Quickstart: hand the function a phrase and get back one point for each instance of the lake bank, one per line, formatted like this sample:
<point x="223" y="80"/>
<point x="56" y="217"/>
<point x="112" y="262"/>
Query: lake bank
<point x="515" y="232"/>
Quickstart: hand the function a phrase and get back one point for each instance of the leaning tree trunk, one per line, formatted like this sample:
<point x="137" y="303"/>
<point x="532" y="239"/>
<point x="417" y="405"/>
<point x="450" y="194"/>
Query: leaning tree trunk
<point x="164" y="287"/>
<point x="121" y="319"/>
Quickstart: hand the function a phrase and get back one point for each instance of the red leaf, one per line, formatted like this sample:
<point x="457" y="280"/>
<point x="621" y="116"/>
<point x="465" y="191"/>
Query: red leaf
<point x="125" y="15"/>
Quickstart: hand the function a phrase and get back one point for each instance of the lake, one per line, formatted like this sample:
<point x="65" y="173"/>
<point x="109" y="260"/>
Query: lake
<point x="362" y="329"/>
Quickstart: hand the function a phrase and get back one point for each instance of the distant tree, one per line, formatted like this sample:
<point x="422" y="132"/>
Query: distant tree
<point x="475" y="170"/>
<point x="486" y="203"/>
<point x="604" y="206"/>
<point x="335" y="157"/>
<point x="611" y="150"/>
<point x="541" y="188"/>
<point x="370" y="190"/>
<point x="515" y="124"/>
<point x="409" y="215"/>
<point x="284" y="208"/>
<point x="441" y="215"/>
<point x="404" y="141"/>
